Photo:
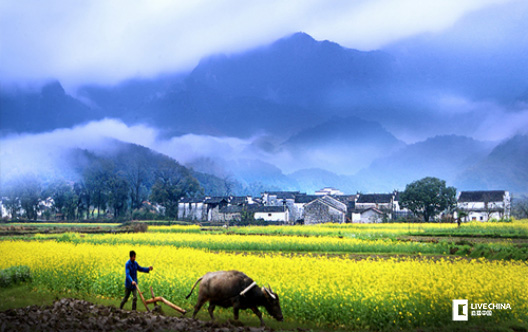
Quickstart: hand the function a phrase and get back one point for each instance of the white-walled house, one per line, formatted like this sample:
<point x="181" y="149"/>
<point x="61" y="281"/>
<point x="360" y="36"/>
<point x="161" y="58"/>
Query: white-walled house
<point x="484" y="205"/>
<point x="381" y="202"/>
<point x="191" y="209"/>
<point x="279" y="198"/>
<point x="271" y="213"/>
<point x="370" y="215"/>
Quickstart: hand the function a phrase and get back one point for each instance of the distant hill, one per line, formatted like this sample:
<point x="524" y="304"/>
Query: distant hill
<point x="350" y="131"/>
<point x="245" y="176"/>
<point x="441" y="156"/>
<point x="313" y="179"/>
<point x="504" y="168"/>
<point x="41" y="110"/>
<point x="342" y="145"/>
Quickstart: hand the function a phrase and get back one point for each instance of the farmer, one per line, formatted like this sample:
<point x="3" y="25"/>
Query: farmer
<point x="131" y="268"/>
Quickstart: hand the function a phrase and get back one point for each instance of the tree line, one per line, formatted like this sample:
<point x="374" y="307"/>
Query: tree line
<point x="113" y="186"/>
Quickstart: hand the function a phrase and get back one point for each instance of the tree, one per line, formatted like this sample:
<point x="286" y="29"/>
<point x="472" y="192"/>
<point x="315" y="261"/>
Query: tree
<point x="172" y="183"/>
<point x="520" y="207"/>
<point x="136" y="176"/>
<point x="428" y="197"/>
<point x="95" y="180"/>
<point x="118" y="193"/>
<point x="30" y="195"/>
<point x="83" y="199"/>
<point x="11" y="198"/>
<point x="228" y="185"/>
<point x="64" y="199"/>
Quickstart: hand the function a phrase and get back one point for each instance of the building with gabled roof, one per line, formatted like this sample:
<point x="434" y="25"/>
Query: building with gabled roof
<point x="279" y="198"/>
<point x="272" y="213"/>
<point x="369" y="215"/>
<point x="191" y="209"/>
<point x="483" y="205"/>
<point x="382" y="202"/>
<point x="325" y="209"/>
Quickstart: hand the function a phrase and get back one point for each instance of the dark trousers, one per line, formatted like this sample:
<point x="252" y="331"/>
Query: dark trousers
<point x="127" y="295"/>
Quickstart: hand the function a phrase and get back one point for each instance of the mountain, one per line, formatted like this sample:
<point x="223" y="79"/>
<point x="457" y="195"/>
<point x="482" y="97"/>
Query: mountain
<point x="350" y="131"/>
<point x="41" y="110"/>
<point x="313" y="109"/>
<point x="279" y="89"/>
<point x="505" y="168"/>
<point x="441" y="156"/>
<point x="245" y="176"/>
<point x="296" y="70"/>
<point x="342" y="145"/>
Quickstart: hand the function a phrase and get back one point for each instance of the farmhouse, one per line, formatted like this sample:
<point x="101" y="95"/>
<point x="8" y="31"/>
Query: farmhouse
<point x="483" y="205"/>
<point x="325" y="209"/>
<point x="296" y="209"/>
<point x="271" y="213"/>
<point x="370" y="215"/>
<point x="227" y="213"/>
<point x="279" y="198"/>
<point x="191" y="209"/>
<point x="381" y="202"/>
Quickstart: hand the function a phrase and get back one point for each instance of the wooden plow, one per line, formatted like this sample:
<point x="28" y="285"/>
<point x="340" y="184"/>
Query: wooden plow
<point x="156" y="299"/>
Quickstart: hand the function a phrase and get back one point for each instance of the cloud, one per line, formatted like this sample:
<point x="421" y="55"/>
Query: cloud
<point x="44" y="153"/>
<point x="108" y="41"/>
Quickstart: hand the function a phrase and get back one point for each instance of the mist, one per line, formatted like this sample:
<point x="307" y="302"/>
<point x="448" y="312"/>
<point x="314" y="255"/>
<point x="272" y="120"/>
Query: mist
<point x="106" y="42"/>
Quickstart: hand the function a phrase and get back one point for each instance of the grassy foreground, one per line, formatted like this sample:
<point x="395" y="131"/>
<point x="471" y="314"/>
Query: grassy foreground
<point x="327" y="292"/>
<point x="27" y="294"/>
<point x="411" y="292"/>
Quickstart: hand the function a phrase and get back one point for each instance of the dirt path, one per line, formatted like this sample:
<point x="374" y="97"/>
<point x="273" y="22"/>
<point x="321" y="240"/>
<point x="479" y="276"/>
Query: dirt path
<point x="79" y="315"/>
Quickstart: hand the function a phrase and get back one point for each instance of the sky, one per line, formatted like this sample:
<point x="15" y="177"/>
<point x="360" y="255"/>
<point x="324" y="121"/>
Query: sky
<point x="105" y="42"/>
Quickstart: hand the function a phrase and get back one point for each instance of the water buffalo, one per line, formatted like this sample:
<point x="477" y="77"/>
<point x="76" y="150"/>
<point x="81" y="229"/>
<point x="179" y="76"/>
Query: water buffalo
<point x="237" y="290"/>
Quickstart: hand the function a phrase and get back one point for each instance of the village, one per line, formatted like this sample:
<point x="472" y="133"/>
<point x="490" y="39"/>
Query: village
<point x="328" y="205"/>
<point x="331" y="205"/>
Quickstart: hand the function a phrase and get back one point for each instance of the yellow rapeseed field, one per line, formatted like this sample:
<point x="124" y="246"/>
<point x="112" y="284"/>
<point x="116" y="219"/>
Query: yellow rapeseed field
<point x="370" y="293"/>
<point x="369" y="230"/>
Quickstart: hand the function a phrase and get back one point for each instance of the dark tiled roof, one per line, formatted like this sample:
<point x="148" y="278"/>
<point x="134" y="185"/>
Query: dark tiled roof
<point x="232" y="209"/>
<point x="345" y="198"/>
<point x="375" y="198"/>
<point x="482" y="196"/>
<point x="305" y="198"/>
<point x="192" y="200"/>
<point x="365" y="210"/>
<point x="332" y="202"/>
<point x="215" y="200"/>
<point x="236" y="200"/>
<point x="268" y="209"/>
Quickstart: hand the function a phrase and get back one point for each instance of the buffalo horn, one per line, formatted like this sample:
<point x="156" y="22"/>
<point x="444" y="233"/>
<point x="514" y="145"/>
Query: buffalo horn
<point x="248" y="288"/>
<point x="270" y="293"/>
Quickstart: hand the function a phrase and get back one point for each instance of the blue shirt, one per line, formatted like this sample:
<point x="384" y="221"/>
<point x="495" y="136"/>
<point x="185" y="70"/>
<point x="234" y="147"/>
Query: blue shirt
<point x="131" y="269"/>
